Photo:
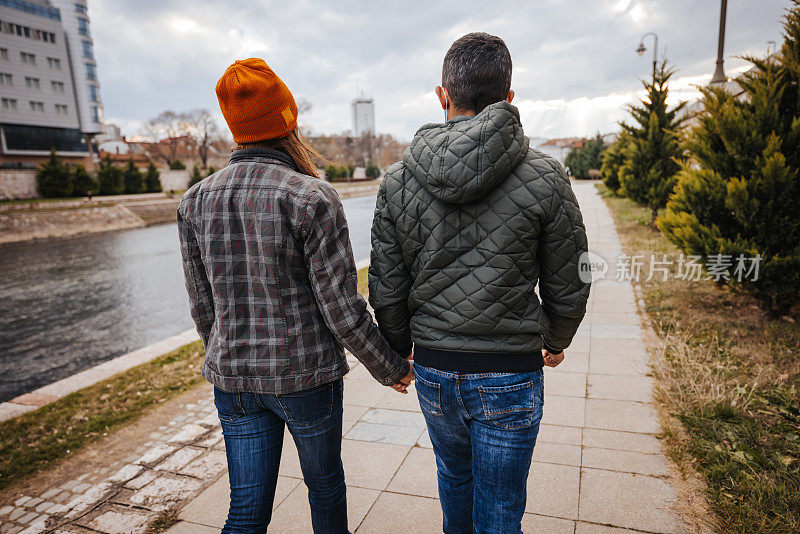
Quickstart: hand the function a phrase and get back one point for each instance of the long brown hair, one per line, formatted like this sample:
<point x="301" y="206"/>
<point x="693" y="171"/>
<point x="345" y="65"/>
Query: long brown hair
<point x="294" y="146"/>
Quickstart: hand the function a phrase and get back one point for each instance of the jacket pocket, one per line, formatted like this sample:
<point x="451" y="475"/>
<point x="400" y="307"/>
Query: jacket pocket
<point x="508" y="407"/>
<point x="429" y="394"/>
<point x="309" y="408"/>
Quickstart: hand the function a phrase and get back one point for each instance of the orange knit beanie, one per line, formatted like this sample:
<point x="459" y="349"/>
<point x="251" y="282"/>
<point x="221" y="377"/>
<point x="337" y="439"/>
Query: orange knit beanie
<point x="256" y="104"/>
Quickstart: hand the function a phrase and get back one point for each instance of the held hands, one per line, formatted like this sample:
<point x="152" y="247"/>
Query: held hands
<point x="550" y="359"/>
<point x="402" y="386"/>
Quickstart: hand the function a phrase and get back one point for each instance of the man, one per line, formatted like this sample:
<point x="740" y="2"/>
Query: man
<point x="465" y="227"/>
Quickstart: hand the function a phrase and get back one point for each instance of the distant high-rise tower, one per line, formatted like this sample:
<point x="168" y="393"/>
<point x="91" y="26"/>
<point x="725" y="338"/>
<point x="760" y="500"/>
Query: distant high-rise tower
<point x="363" y="116"/>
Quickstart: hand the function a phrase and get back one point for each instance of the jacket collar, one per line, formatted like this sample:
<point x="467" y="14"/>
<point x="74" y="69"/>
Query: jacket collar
<point x="262" y="155"/>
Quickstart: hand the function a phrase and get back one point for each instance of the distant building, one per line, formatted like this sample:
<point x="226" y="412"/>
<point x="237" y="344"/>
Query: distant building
<point x="50" y="97"/>
<point x="560" y="148"/>
<point x="363" y="116"/>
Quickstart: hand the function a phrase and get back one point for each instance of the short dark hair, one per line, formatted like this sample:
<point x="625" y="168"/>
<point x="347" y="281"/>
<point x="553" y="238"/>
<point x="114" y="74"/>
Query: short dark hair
<point x="477" y="71"/>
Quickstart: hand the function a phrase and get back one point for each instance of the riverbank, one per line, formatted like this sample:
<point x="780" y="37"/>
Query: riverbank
<point x="43" y="219"/>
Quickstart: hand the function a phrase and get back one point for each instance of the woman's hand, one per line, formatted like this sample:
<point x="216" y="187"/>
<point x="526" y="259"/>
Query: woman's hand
<point x="402" y="386"/>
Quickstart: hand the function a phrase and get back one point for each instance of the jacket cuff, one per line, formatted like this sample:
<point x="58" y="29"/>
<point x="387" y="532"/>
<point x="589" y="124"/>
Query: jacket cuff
<point x="399" y="373"/>
<point x="550" y="349"/>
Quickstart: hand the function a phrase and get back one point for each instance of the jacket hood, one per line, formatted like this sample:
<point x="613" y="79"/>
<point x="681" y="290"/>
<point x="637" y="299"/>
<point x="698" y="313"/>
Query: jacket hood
<point x="463" y="159"/>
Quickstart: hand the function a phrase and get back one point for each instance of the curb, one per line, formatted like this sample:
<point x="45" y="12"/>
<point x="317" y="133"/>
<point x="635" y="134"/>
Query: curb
<point x="34" y="400"/>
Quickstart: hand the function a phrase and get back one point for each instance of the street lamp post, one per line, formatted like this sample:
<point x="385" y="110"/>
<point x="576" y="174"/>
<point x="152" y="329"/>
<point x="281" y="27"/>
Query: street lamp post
<point x="719" y="72"/>
<point x="641" y="49"/>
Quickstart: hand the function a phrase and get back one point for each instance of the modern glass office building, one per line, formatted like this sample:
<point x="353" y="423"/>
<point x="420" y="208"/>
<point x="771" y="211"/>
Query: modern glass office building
<point x="49" y="92"/>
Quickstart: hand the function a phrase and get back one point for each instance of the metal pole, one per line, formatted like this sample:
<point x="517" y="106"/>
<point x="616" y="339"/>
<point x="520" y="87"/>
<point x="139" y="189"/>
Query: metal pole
<point x="655" y="57"/>
<point x="719" y="74"/>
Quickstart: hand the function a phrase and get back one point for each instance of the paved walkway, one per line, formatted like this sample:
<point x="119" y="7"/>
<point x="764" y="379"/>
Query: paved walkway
<point x="598" y="467"/>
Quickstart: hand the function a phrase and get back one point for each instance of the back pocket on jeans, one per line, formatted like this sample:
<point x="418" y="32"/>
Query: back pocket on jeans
<point x="508" y="407"/>
<point x="310" y="407"/>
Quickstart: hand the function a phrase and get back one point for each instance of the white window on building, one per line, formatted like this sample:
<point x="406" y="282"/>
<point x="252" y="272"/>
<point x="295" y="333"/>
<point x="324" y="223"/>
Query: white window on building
<point x="95" y="114"/>
<point x="61" y="109"/>
<point x="32" y="83"/>
<point x="9" y="103"/>
<point x="93" y="96"/>
<point x="37" y="107"/>
<point x="80" y="9"/>
<point x="91" y="72"/>
<point x="54" y="63"/>
<point x="6" y="80"/>
<point x="28" y="59"/>
<point x="4" y="54"/>
<point x="58" y="87"/>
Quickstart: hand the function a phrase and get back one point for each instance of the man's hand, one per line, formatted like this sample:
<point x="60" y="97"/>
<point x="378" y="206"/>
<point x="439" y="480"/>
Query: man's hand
<point x="402" y="386"/>
<point x="550" y="359"/>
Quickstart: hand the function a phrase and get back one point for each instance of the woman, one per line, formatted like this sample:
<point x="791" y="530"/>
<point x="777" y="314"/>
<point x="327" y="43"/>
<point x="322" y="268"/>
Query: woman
<point x="272" y="286"/>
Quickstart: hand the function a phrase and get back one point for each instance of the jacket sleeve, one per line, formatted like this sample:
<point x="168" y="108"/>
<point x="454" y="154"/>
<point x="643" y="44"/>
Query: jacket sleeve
<point x="201" y="301"/>
<point x="561" y="244"/>
<point x="333" y="277"/>
<point x="389" y="280"/>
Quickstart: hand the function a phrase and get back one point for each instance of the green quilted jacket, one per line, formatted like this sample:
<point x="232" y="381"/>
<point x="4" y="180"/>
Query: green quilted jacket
<point x="465" y="228"/>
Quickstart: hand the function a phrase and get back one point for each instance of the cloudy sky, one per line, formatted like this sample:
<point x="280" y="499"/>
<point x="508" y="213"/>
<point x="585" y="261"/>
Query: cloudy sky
<point x="574" y="61"/>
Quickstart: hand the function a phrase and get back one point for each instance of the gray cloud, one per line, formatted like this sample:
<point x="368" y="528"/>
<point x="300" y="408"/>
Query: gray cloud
<point x="574" y="64"/>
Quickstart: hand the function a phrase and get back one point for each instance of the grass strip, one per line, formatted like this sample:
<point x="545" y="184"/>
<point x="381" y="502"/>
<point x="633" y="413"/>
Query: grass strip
<point x="36" y="440"/>
<point x="728" y="377"/>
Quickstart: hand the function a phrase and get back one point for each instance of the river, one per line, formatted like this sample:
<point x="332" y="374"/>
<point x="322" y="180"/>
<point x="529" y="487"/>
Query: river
<point x="69" y="304"/>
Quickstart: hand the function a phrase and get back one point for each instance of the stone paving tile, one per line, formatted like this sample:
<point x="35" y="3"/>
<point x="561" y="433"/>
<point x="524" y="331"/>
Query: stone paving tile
<point x="406" y="514"/>
<point x="627" y="461"/>
<point x="565" y="383"/>
<point x="557" y="453"/>
<point x="391" y="400"/>
<point x="559" y="434"/>
<point x="191" y="528"/>
<point x="210" y="508"/>
<point x="394" y="417"/>
<point x="566" y="411"/>
<point x="627" y="441"/>
<point x="553" y="490"/>
<point x="293" y="516"/>
<point x="603" y="491"/>
<point x="550" y="525"/>
<point x="575" y="361"/>
<point x="362" y="392"/>
<point x="177" y="460"/>
<point x="590" y="528"/>
<point x="371" y="465"/>
<point x="378" y="433"/>
<point x="621" y="415"/>
<point x="417" y="474"/>
<point x="615" y="387"/>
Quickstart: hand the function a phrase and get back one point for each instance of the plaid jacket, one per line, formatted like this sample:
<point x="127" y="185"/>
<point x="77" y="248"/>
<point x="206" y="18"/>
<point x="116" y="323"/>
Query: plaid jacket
<point x="272" y="281"/>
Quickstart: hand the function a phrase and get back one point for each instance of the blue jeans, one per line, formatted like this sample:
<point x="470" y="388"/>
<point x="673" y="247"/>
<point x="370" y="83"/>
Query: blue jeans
<point x="252" y="425"/>
<point x="483" y="428"/>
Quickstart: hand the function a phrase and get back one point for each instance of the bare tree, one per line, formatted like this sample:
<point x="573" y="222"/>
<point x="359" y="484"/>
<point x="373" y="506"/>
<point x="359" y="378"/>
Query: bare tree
<point x="202" y="129"/>
<point x="164" y="131"/>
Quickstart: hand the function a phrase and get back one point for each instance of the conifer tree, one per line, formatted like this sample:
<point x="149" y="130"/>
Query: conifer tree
<point x="133" y="179"/>
<point x="195" y="177"/>
<point x="648" y="174"/>
<point x="613" y="159"/>
<point x="582" y="160"/>
<point x="53" y="178"/>
<point x="152" y="179"/>
<point x="741" y="194"/>
<point x="83" y="182"/>
<point x="109" y="178"/>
